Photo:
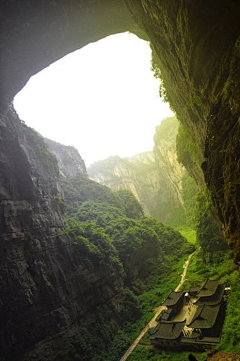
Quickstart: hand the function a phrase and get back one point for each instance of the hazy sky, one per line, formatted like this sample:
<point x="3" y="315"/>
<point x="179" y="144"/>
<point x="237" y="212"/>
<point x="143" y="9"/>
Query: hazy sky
<point x="102" y="99"/>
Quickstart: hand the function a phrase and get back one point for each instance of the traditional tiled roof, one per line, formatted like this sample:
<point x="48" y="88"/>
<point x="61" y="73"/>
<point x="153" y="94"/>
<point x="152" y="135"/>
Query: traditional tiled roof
<point x="204" y="317"/>
<point x="193" y="290"/>
<point x="208" y="288"/>
<point x="167" y="330"/>
<point x="214" y="299"/>
<point x="173" y="298"/>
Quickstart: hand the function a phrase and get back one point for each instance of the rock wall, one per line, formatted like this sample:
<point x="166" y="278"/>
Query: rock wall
<point x="69" y="160"/>
<point x="45" y="287"/>
<point x="197" y="46"/>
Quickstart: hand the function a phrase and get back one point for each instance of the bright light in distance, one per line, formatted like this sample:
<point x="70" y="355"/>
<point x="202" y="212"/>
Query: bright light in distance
<point x="102" y="99"/>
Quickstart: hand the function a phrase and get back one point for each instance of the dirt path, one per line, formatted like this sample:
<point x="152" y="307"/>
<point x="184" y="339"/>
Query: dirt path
<point x="159" y="309"/>
<point x="185" y="266"/>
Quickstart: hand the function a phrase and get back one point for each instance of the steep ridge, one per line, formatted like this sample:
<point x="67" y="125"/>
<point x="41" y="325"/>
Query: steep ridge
<point x="153" y="177"/>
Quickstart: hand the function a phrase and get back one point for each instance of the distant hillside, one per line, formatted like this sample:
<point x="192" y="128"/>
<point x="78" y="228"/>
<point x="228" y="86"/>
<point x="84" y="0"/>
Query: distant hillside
<point x="153" y="177"/>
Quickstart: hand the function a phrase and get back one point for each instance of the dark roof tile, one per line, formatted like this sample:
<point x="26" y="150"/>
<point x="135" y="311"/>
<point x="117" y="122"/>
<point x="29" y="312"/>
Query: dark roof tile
<point x="204" y="317"/>
<point x="212" y="300"/>
<point x="208" y="288"/>
<point x="167" y="330"/>
<point x="173" y="298"/>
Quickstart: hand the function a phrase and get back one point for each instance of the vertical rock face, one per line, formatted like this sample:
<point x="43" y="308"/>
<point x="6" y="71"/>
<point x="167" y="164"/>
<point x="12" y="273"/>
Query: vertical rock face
<point x="45" y="287"/>
<point x="153" y="177"/>
<point x="69" y="160"/>
<point x="197" y="46"/>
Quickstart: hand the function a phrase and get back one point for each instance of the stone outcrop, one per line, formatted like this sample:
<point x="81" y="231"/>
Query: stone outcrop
<point x="45" y="286"/>
<point x="153" y="177"/>
<point x="69" y="160"/>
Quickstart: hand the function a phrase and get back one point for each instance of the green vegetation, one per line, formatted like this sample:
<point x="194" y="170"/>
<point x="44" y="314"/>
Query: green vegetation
<point x="171" y="241"/>
<point x="213" y="265"/>
<point x="194" y="101"/>
<point x="133" y="208"/>
<point x="230" y="340"/>
<point x="201" y="225"/>
<point x="163" y="92"/>
<point x="141" y="243"/>
<point x="79" y="189"/>
<point x="186" y="149"/>
<point x="108" y="341"/>
<point x="189" y="234"/>
<point x="93" y="245"/>
<point x="190" y="194"/>
<point x="109" y="228"/>
<point x="209" y="233"/>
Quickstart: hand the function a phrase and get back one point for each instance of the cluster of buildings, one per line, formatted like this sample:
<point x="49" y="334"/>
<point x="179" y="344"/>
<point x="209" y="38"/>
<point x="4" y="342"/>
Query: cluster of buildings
<point x="193" y="318"/>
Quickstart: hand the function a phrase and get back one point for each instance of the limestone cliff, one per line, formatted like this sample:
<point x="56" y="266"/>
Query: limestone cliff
<point x="45" y="285"/>
<point x="69" y="160"/>
<point x="153" y="177"/>
<point x="197" y="48"/>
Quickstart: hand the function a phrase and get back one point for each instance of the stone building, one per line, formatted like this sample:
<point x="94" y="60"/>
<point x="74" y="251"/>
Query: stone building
<point x="193" y="319"/>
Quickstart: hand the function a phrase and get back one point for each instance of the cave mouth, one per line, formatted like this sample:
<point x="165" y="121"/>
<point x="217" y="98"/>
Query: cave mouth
<point x="95" y="100"/>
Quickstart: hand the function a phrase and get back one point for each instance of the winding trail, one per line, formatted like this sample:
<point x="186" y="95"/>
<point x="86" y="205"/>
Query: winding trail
<point x="153" y="322"/>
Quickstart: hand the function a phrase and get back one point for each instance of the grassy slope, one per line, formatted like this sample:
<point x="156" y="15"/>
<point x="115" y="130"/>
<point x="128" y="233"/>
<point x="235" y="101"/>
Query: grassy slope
<point x="189" y="234"/>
